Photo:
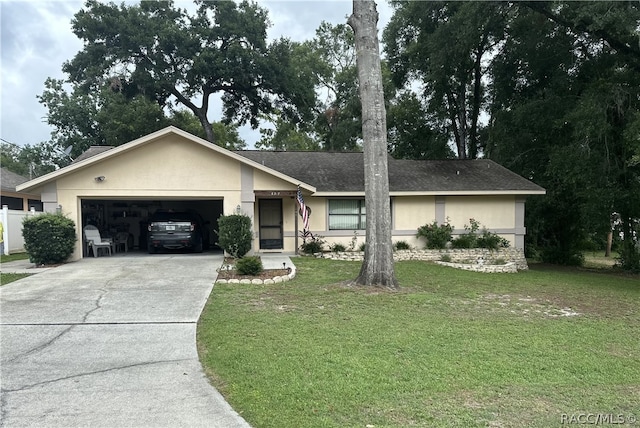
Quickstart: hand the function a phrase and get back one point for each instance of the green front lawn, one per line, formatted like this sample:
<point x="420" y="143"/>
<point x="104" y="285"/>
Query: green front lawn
<point x="451" y="348"/>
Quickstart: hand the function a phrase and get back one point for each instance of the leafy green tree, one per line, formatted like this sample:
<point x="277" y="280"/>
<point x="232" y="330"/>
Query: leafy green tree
<point x="565" y="111"/>
<point x="32" y="161"/>
<point x="286" y="136"/>
<point x="445" y="47"/>
<point x="174" y="58"/>
<point x="103" y="117"/>
<point x="411" y="135"/>
<point x="226" y="135"/>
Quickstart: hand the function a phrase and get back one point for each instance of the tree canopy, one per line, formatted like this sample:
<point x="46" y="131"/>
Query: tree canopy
<point x="155" y="58"/>
<point x="551" y="90"/>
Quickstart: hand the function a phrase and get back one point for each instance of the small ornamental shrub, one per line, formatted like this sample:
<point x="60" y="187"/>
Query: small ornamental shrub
<point x="402" y="245"/>
<point x="469" y="239"/>
<point x="491" y="240"/>
<point x="48" y="238"/>
<point x="362" y="247"/>
<point x="436" y="235"/>
<point x="235" y="234"/>
<point x="249" y="265"/>
<point x="312" y="246"/>
<point x="338" y="248"/>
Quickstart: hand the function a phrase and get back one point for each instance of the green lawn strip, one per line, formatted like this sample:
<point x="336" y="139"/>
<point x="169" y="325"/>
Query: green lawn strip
<point x="13" y="257"/>
<point x="6" y="278"/>
<point x="451" y="348"/>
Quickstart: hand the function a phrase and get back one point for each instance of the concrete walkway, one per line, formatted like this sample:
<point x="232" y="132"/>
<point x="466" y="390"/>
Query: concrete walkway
<point x="109" y="342"/>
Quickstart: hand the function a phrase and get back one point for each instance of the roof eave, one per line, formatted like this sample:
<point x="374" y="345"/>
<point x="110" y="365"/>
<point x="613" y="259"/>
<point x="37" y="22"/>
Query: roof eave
<point x="437" y="193"/>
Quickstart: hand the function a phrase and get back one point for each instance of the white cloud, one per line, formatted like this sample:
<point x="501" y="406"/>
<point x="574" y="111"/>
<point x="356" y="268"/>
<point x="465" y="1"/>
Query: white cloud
<point x="37" y="39"/>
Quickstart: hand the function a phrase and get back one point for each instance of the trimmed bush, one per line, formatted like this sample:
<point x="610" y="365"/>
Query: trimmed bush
<point x="436" y="235"/>
<point x="402" y="245"/>
<point x="48" y="238"/>
<point x="249" y="265"/>
<point x="235" y="234"/>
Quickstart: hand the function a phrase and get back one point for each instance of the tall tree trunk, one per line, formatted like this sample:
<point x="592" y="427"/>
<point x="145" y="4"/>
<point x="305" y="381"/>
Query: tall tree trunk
<point x="377" y="267"/>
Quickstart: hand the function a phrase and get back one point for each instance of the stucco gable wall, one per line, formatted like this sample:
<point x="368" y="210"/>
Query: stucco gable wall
<point x="170" y="165"/>
<point x="264" y="181"/>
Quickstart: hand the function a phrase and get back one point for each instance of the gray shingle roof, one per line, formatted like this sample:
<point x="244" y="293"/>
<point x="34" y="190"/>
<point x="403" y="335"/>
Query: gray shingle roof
<point x="10" y="180"/>
<point x="92" y="151"/>
<point x="344" y="172"/>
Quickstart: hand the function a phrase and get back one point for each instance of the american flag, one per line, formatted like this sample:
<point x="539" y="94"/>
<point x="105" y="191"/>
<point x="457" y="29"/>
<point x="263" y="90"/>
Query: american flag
<point x="303" y="210"/>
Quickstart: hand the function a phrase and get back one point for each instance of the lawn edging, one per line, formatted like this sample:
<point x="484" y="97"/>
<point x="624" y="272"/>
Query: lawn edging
<point x="259" y="281"/>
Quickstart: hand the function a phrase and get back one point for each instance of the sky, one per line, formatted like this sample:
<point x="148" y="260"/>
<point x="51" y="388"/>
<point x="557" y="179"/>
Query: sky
<point x="36" y="40"/>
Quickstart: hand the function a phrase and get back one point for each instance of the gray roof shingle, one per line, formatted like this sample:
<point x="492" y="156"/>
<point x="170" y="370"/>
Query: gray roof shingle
<point x="92" y="151"/>
<point x="344" y="172"/>
<point x="10" y="180"/>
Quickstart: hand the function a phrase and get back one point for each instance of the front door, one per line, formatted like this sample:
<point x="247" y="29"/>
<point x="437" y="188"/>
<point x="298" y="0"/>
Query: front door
<point x="270" y="212"/>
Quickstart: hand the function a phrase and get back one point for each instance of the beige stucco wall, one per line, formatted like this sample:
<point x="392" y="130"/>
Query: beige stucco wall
<point x="494" y="212"/>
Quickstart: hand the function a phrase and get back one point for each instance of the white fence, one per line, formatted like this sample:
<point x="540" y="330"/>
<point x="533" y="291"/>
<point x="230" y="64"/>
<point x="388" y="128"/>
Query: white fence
<point x="12" y="225"/>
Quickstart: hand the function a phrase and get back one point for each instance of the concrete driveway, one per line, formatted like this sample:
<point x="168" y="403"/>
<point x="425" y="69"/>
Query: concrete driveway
<point x="109" y="342"/>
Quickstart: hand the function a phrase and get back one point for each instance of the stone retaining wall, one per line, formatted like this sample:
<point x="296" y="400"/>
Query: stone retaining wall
<point x="479" y="258"/>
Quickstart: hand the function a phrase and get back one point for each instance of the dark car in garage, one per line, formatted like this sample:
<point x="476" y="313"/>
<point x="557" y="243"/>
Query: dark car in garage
<point x="177" y="230"/>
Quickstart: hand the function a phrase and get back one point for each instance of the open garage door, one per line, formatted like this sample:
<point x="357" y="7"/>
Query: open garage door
<point x="127" y="219"/>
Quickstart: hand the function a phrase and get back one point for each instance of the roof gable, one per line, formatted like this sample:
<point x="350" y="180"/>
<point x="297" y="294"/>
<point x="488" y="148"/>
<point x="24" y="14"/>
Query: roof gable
<point x="97" y="154"/>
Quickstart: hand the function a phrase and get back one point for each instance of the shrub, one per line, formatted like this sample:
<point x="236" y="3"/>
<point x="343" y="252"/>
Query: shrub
<point x="362" y="247"/>
<point x="235" y="234"/>
<point x="249" y="265"/>
<point x="313" y="245"/>
<point x="436" y="235"/>
<point x="491" y="240"/>
<point x="465" y="241"/>
<point x="402" y="245"/>
<point x="468" y="239"/>
<point x="337" y="248"/>
<point x="48" y="238"/>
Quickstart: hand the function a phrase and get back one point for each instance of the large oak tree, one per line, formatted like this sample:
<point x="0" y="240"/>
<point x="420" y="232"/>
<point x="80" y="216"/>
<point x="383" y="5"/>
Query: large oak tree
<point x="176" y="58"/>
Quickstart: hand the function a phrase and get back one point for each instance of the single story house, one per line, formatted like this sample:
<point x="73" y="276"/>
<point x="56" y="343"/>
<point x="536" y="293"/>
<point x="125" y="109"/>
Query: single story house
<point x="19" y="201"/>
<point x="118" y="188"/>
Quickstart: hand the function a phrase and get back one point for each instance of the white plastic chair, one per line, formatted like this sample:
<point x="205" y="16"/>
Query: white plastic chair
<point x="122" y="239"/>
<point x="95" y="241"/>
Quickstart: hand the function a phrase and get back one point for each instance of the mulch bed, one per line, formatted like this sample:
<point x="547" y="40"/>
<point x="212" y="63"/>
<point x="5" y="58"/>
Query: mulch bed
<point x="233" y="274"/>
<point x="265" y="274"/>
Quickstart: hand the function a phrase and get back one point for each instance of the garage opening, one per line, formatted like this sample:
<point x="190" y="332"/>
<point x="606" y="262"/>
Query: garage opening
<point x="128" y="218"/>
